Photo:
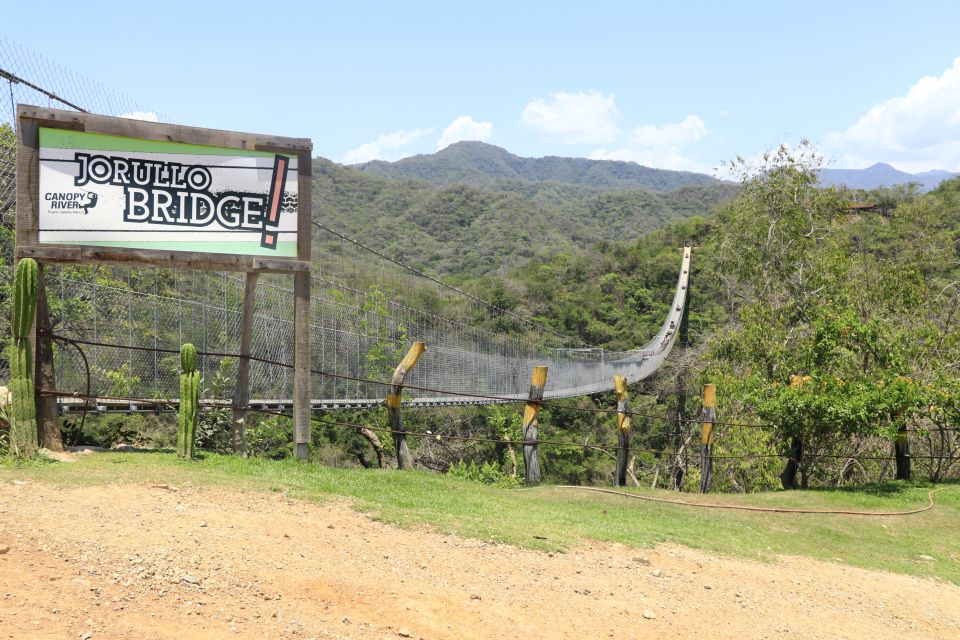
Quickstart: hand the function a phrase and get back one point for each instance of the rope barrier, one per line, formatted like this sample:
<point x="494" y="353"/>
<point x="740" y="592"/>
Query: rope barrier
<point x="224" y="404"/>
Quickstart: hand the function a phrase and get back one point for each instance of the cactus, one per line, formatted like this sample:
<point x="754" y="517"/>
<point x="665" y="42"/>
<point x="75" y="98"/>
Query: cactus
<point x="23" y="414"/>
<point x="189" y="399"/>
<point x="188" y="358"/>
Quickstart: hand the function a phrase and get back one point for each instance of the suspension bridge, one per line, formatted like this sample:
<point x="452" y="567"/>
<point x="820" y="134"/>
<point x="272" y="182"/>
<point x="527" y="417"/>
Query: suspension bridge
<point x="133" y="327"/>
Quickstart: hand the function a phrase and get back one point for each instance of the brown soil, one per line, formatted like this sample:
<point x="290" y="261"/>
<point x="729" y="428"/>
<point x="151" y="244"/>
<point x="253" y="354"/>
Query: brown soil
<point x="176" y="562"/>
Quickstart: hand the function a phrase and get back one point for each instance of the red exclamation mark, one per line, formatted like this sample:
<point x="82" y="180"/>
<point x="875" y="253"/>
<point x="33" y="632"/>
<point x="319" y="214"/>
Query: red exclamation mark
<point x="271" y="216"/>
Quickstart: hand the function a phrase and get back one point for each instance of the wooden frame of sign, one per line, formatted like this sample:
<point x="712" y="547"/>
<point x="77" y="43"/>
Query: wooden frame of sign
<point x="234" y="212"/>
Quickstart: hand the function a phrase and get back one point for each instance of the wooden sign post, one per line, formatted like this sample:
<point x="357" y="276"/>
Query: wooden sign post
<point x="96" y="189"/>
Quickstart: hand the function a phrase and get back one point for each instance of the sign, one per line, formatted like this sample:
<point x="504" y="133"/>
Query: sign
<point x="101" y="190"/>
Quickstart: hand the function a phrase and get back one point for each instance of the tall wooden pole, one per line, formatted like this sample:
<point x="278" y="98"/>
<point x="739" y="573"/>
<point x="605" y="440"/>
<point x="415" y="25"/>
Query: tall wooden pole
<point x="301" y="364"/>
<point x="241" y="393"/>
<point x="706" y="437"/>
<point x="394" y="413"/>
<point x="48" y="415"/>
<point x="623" y="430"/>
<point x="535" y="396"/>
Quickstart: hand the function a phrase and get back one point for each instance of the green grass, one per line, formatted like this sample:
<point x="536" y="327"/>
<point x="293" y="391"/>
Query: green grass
<point x="557" y="519"/>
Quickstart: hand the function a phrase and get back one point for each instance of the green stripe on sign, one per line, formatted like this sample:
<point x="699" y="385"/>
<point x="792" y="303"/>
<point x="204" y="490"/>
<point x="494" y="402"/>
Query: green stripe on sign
<point x="285" y="249"/>
<point x="64" y="139"/>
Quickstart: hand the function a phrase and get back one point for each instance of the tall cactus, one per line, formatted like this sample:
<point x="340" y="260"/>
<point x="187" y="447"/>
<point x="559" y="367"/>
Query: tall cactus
<point x="23" y="413"/>
<point x="189" y="399"/>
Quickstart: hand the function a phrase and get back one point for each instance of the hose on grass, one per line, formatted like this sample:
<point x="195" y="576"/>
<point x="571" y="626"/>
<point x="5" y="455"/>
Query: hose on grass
<point x="738" y="507"/>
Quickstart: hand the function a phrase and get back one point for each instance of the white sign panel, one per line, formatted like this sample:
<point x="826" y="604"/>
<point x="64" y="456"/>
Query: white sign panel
<point x="103" y="190"/>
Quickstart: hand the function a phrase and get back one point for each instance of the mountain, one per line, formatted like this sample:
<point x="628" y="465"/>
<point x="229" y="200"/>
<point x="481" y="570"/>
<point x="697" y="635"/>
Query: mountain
<point x="881" y="175"/>
<point x="479" y="164"/>
<point x="468" y="230"/>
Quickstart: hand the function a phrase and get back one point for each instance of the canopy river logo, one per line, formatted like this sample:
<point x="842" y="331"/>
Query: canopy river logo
<point x="171" y="193"/>
<point x="71" y="202"/>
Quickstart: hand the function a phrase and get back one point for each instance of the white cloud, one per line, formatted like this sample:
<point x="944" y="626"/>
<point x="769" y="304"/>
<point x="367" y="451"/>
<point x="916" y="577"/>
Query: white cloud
<point x="387" y="146"/>
<point x="465" y="128"/>
<point x="914" y="132"/>
<point x="660" y="146"/>
<point x="146" y="116"/>
<point x="670" y="135"/>
<point x="662" y="158"/>
<point x="574" y="118"/>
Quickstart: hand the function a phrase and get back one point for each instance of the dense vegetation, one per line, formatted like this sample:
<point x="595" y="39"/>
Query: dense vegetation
<point x="829" y="326"/>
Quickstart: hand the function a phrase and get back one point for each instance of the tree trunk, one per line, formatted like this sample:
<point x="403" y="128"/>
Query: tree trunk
<point x="789" y="476"/>
<point x="375" y="443"/>
<point x="679" y="466"/>
<point x="901" y="447"/>
<point x="630" y="472"/>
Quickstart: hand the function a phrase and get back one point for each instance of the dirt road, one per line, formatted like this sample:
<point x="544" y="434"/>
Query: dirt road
<point x="179" y="563"/>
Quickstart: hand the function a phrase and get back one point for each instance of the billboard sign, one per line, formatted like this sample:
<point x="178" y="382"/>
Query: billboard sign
<point x="103" y="190"/>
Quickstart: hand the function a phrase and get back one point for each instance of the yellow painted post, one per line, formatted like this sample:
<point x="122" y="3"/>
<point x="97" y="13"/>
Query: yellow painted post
<point x="706" y="437"/>
<point x="404" y="460"/>
<point x="623" y="430"/>
<point x="535" y="396"/>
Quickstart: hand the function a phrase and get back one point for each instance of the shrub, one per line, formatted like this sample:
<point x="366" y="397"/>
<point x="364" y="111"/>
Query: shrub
<point x="487" y="473"/>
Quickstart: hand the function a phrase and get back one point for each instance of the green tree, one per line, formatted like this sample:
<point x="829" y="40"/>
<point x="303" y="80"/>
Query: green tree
<point x="813" y="356"/>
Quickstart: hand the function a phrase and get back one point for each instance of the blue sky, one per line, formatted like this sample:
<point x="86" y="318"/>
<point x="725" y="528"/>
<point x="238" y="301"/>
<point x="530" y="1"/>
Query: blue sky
<point x="686" y="86"/>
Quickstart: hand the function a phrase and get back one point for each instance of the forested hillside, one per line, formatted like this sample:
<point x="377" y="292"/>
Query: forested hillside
<point x="478" y="163"/>
<point x="465" y="231"/>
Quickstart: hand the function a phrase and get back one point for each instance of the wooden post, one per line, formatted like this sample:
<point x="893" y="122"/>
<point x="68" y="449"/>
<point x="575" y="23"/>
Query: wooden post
<point x="241" y="392"/>
<point x="706" y="437"/>
<point x="48" y="416"/>
<point x="901" y="449"/>
<point x="535" y="396"/>
<point x="788" y="478"/>
<point x="301" y="364"/>
<point x="623" y="430"/>
<point x="404" y="460"/>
